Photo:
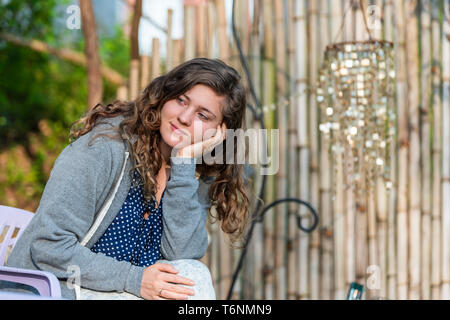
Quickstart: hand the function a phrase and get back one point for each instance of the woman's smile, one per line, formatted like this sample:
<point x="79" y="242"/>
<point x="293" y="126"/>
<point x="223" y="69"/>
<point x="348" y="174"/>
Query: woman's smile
<point x="177" y="130"/>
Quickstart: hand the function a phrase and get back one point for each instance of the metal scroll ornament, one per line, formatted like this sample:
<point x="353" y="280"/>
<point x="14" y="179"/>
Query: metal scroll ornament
<point x="355" y="97"/>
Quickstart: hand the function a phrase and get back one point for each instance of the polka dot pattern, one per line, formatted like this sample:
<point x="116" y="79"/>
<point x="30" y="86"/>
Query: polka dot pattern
<point x="131" y="237"/>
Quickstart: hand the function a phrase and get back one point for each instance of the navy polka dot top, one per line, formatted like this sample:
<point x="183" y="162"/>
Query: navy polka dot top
<point x="131" y="237"/>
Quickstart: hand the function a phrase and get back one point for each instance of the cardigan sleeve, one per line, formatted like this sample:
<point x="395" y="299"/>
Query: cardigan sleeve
<point x="185" y="206"/>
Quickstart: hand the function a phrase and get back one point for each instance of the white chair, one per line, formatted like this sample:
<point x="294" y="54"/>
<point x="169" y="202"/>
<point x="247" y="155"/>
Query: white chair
<point x="12" y="223"/>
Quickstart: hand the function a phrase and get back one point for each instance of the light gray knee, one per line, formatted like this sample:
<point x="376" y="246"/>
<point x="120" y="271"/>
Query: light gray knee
<point x="199" y="273"/>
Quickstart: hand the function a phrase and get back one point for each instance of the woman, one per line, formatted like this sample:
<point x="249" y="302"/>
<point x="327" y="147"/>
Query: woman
<point x="129" y="191"/>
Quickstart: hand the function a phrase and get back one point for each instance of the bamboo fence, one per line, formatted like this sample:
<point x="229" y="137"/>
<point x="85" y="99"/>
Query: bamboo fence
<point x="396" y="241"/>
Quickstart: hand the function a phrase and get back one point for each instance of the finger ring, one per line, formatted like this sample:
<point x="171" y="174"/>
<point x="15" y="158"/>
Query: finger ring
<point x="159" y="294"/>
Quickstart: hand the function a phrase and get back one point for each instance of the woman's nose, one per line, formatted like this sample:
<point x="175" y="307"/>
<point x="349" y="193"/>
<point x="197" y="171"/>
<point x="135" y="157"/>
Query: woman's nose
<point x="185" y="117"/>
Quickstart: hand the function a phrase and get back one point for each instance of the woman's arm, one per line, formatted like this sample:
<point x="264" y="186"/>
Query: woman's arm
<point x="185" y="205"/>
<point x="80" y="177"/>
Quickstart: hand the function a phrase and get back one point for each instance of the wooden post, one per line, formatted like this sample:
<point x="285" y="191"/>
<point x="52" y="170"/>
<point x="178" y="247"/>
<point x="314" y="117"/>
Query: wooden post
<point x="134" y="79"/>
<point x="189" y="32"/>
<point x="169" y="55"/>
<point x="122" y="93"/>
<point x="211" y="28"/>
<point x="145" y="71"/>
<point x="95" y="83"/>
<point x="156" y="60"/>
<point x="177" y="52"/>
<point x="224" y="47"/>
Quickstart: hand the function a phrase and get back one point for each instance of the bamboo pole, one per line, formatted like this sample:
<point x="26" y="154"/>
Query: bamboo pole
<point x="382" y="217"/>
<point x="122" y="93"/>
<point x="349" y="31"/>
<point x="327" y="282"/>
<point x="226" y="262"/>
<point x="302" y="116"/>
<point x="349" y="253"/>
<point x="322" y="41"/>
<point x="414" y="167"/>
<point x="380" y="191"/>
<point x="313" y="194"/>
<point x="445" y="294"/>
<point x="224" y="47"/>
<point x="425" y="94"/>
<point x="241" y="11"/>
<point x="339" y="227"/>
<point x="371" y="266"/>
<point x="402" y="205"/>
<point x="200" y="13"/>
<point x="392" y="196"/>
<point x="268" y="98"/>
<point x="373" y="288"/>
<point x="292" y="275"/>
<point x="282" y="115"/>
<point x="244" y="23"/>
<point x="258" y="241"/>
<point x="437" y="153"/>
<point x="361" y="227"/>
<point x="211" y="23"/>
<point x="365" y="247"/>
<point x="213" y="252"/>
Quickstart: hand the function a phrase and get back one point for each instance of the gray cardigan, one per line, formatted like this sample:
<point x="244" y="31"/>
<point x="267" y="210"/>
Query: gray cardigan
<point x="82" y="179"/>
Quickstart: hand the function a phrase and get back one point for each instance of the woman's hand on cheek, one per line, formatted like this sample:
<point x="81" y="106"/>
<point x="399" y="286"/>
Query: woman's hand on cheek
<point x="160" y="282"/>
<point x="196" y="150"/>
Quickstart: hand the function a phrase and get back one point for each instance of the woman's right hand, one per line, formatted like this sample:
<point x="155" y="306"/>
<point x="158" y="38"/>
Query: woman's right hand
<point x="163" y="276"/>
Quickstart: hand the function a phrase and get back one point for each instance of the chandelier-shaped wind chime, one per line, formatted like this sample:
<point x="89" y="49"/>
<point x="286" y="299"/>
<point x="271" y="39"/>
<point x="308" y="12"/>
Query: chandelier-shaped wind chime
<point x="355" y="97"/>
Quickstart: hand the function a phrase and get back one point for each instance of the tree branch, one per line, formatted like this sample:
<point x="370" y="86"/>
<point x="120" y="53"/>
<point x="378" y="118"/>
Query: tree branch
<point x="65" y="54"/>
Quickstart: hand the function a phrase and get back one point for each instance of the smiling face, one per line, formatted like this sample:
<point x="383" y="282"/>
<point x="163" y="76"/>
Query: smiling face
<point x="190" y="115"/>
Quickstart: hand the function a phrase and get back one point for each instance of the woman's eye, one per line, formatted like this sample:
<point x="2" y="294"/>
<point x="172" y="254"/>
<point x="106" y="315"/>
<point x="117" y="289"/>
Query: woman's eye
<point x="203" y="116"/>
<point x="181" y="101"/>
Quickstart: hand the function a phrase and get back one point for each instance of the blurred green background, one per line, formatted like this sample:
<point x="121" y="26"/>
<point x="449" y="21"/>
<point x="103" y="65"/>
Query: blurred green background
<point x="41" y="95"/>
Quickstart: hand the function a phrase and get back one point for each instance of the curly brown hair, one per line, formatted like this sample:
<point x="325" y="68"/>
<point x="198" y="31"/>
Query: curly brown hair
<point x="142" y="119"/>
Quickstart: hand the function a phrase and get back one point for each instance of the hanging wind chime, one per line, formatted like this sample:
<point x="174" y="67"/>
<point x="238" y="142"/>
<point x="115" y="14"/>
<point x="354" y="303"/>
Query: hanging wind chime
<point x="355" y="97"/>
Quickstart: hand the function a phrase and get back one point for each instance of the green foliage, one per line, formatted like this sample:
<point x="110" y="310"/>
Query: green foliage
<point x="41" y="95"/>
<point x="27" y="17"/>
